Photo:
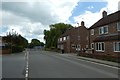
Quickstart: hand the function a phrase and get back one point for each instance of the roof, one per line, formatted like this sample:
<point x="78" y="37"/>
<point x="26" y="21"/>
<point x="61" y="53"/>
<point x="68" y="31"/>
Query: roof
<point x="110" y="37"/>
<point x="115" y="17"/>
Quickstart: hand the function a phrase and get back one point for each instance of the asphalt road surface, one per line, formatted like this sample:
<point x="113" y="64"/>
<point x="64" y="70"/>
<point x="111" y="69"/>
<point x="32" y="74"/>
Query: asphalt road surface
<point x="44" y="64"/>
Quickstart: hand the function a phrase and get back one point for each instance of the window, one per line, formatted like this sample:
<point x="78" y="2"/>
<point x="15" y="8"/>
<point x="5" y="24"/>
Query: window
<point x="64" y="38"/>
<point x="92" y="45"/>
<point x="68" y="37"/>
<point x="116" y="46"/>
<point x="92" y="31"/>
<point x="118" y="26"/>
<point x="100" y="46"/>
<point x="73" y="46"/>
<point x="78" y="37"/>
<point x="60" y="39"/>
<point x="103" y="30"/>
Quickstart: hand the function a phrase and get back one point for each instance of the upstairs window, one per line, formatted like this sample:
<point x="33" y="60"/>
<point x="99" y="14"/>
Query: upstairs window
<point x="60" y="39"/>
<point x="103" y="30"/>
<point x="68" y="37"/>
<point x="92" y="31"/>
<point x="118" y="26"/>
<point x="64" y="38"/>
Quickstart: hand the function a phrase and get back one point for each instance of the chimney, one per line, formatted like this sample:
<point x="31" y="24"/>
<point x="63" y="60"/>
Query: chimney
<point x="82" y="23"/>
<point x="104" y="14"/>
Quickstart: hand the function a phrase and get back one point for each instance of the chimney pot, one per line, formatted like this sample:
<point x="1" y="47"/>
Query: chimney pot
<point x="82" y="23"/>
<point x="104" y="14"/>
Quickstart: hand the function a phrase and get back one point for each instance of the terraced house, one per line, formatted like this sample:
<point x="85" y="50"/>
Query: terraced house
<point x="74" y="39"/>
<point x="103" y="37"/>
<point x="105" y="34"/>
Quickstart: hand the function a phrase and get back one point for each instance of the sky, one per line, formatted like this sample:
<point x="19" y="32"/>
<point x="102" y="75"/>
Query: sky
<point x="31" y="17"/>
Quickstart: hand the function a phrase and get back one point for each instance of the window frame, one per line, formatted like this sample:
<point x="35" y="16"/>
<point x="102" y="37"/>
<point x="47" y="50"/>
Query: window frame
<point x="99" y="46"/>
<point x="118" y="24"/>
<point x="61" y="39"/>
<point x="64" y="38"/>
<point x="92" y="45"/>
<point x="92" y="31"/>
<point x="117" y="45"/>
<point x="102" y="29"/>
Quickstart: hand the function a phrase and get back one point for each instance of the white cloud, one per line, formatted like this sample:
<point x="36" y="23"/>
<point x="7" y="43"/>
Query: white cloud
<point x="90" y="18"/>
<point x="30" y="18"/>
<point x="90" y="7"/>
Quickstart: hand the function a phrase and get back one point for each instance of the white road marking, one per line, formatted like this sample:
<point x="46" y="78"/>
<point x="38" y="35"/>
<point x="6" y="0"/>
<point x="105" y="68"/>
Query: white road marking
<point x="115" y="67"/>
<point x="101" y="64"/>
<point x="27" y="65"/>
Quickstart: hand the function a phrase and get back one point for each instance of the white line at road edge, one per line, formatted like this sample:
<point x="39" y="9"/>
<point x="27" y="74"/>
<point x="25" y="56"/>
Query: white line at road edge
<point x="95" y="62"/>
<point x="89" y="67"/>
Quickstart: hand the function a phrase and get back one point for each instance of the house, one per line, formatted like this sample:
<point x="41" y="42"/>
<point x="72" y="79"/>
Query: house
<point x="74" y="39"/>
<point x="104" y="35"/>
<point x="4" y="47"/>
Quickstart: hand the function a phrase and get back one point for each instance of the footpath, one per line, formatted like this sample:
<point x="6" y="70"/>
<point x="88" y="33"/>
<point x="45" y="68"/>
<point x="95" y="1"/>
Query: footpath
<point x="114" y="64"/>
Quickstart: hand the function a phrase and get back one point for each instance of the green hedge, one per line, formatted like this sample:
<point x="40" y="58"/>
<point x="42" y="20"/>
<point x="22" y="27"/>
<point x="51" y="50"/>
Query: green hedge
<point x="16" y="49"/>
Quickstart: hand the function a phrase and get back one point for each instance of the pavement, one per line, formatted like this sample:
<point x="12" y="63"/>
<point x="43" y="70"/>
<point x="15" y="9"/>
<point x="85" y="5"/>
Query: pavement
<point x="114" y="64"/>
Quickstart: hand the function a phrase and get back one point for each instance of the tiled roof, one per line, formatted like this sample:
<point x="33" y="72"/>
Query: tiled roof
<point x="107" y="20"/>
<point x="110" y="37"/>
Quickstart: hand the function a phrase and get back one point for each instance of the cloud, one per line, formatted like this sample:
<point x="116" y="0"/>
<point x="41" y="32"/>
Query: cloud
<point x="90" y="7"/>
<point x="88" y="17"/>
<point x="30" y="18"/>
<point x="91" y="17"/>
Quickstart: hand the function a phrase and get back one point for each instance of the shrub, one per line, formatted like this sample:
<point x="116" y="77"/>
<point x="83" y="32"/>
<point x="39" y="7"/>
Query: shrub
<point x="16" y="49"/>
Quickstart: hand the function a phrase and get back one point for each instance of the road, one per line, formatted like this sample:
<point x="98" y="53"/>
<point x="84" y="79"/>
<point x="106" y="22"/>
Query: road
<point x="44" y="64"/>
<point x="13" y="66"/>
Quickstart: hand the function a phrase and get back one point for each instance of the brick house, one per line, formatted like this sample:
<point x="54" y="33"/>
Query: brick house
<point x="104" y="35"/>
<point x="4" y="47"/>
<point x="74" y="39"/>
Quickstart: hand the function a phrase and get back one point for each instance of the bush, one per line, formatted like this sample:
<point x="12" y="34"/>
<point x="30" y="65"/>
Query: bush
<point x="16" y="49"/>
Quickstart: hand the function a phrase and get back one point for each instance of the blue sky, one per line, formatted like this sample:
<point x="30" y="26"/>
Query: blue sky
<point x="30" y="18"/>
<point x="87" y="6"/>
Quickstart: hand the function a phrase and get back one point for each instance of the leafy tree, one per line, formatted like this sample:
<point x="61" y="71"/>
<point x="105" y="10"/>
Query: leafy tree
<point x="17" y="42"/>
<point x="52" y="35"/>
<point x="35" y="42"/>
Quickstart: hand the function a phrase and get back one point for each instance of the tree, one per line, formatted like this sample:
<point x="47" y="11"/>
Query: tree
<point x="17" y="42"/>
<point x="52" y="35"/>
<point x="35" y="42"/>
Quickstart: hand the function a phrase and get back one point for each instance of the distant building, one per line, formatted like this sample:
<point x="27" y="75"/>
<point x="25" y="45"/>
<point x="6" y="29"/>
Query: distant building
<point x="4" y="49"/>
<point x="74" y="39"/>
<point x="105" y="34"/>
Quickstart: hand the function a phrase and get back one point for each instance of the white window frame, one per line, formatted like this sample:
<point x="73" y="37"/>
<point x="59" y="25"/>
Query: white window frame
<point x="64" y="38"/>
<point x="100" y="46"/>
<point x="117" y="45"/>
<point x="60" y="39"/>
<point x="92" y="45"/>
<point x="92" y="31"/>
<point x="68" y="37"/>
<point x="118" y="25"/>
<point x="101" y="30"/>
